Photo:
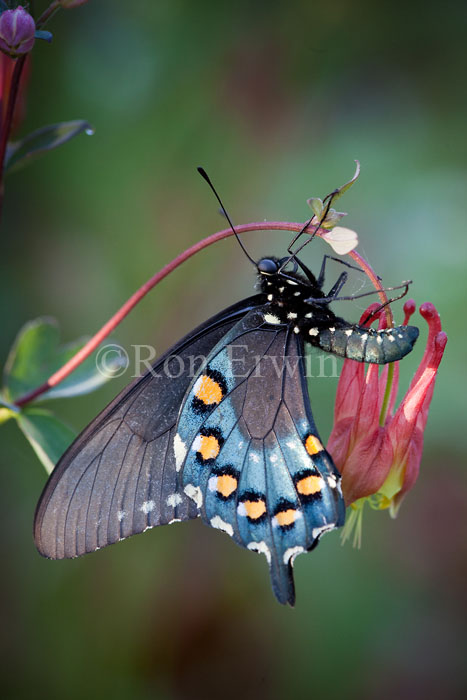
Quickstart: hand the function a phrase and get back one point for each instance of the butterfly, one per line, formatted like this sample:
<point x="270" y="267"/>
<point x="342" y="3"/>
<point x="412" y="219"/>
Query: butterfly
<point x="233" y="442"/>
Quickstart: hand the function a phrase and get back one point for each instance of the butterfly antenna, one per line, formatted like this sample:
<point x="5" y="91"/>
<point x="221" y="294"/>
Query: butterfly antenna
<point x="204" y="174"/>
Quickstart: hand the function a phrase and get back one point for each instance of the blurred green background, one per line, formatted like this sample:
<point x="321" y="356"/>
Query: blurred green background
<point x="275" y="100"/>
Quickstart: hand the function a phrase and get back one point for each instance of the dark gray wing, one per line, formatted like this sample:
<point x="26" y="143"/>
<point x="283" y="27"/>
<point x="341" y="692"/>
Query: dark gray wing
<point x="118" y="478"/>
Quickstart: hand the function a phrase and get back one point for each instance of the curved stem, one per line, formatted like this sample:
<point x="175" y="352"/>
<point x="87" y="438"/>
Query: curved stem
<point x="376" y="283"/>
<point x="117" y="318"/>
<point x="47" y="14"/>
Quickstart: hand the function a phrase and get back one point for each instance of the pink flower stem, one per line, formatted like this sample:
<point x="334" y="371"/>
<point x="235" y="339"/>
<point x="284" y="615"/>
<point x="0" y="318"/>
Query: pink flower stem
<point x="117" y="318"/>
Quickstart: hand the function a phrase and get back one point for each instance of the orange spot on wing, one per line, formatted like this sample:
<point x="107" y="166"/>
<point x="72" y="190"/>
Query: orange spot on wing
<point x="310" y="485"/>
<point x="286" y="517"/>
<point x="313" y="445"/>
<point x="226" y="485"/>
<point x="207" y="390"/>
<point x="254" y="509"/>
<point x="208" y="447"/>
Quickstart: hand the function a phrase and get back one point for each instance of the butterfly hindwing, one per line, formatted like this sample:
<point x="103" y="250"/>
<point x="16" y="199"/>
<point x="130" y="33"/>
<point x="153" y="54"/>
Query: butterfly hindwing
<point x="118" y="478"/>
<point x="249" y="453"/>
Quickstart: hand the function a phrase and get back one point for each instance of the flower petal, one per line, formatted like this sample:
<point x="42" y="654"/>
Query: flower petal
<point x="405" y="431"/>
<point x="367" y="467"/>
<point x="342" y="240"/>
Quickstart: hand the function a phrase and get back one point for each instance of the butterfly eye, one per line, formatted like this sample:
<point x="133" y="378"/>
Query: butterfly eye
<point x="267" y="266"/>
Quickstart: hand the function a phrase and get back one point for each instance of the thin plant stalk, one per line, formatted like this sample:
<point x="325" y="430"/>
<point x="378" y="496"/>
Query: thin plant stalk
<point x="118" y="317"/>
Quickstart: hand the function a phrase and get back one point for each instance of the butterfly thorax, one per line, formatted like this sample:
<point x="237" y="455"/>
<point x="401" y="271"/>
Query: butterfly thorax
<point x="290" y="298"/>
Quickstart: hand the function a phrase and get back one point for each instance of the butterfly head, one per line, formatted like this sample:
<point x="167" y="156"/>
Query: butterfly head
<point x="268" y="266"/>
<point x="273" y="278"/>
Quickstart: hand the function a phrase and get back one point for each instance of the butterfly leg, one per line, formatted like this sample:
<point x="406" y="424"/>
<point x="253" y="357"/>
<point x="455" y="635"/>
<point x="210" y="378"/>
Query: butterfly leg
<point x="336" y="288"/>
<point x="352" y="297"/>
<point x="320" y="279"/>
<point x="308" y="273"/>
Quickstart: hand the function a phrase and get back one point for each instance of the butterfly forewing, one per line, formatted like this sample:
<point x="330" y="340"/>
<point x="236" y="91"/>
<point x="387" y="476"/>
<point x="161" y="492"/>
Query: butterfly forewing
<point x="118" y="478"/>
<point x="249" y="453"/>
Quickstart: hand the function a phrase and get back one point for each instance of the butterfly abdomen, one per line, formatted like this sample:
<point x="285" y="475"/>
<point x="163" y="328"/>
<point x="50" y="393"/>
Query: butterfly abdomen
<point x="365" y="344"/>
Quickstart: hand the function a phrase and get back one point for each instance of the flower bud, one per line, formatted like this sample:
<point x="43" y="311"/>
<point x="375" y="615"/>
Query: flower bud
<point x="17" y="29"/>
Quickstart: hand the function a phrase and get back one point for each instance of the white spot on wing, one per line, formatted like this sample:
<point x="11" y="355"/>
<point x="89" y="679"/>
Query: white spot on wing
<point x="174" y="500"/>
<point x="270" y="297"/>
<point x="281" y="289"/>
<point x="261" y="548"/>
<point x="291" y="315"/>
<point x="271" y="318"/>
<point x="379" y="340"/>
<point x="309" y="315"/>
<point x="212" y="483"/>
<point x="291" y="553"/>
<point x="220" y="524"/>
<point x="148" y="506"/>
<point x="332" y="329"/>
<point x="313" y="331"/>
<point x="332" y="481"/>
<point x="254" y="457"/>
<point x="194" y="492"/>
<point x="120" y="515"/>
<point x="197" y="385"/>
<point x="317" y="531"/>
<point x="348" y="332"/>
<point x="179" y="452"/>
<point x="273" y="459"/>
<point x="296" y="329"/>
<point x="391" y="338"/>
<point x="196" y="446"/>
<point x="292" y="282"/>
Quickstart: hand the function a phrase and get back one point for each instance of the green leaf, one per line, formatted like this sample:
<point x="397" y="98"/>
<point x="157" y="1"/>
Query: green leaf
<point x="48" y="436"/>
<point x="316" y="205"/>
<point x="332" y="219"/>
<point x="340" y="190"/>
<point x="36" y="355"/>
<point x="19" y="153"/>
<point x="6" y="414"/>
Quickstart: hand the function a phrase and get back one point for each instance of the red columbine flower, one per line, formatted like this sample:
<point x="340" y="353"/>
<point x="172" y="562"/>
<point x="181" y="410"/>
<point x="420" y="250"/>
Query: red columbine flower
<point x="377" y="451"/>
